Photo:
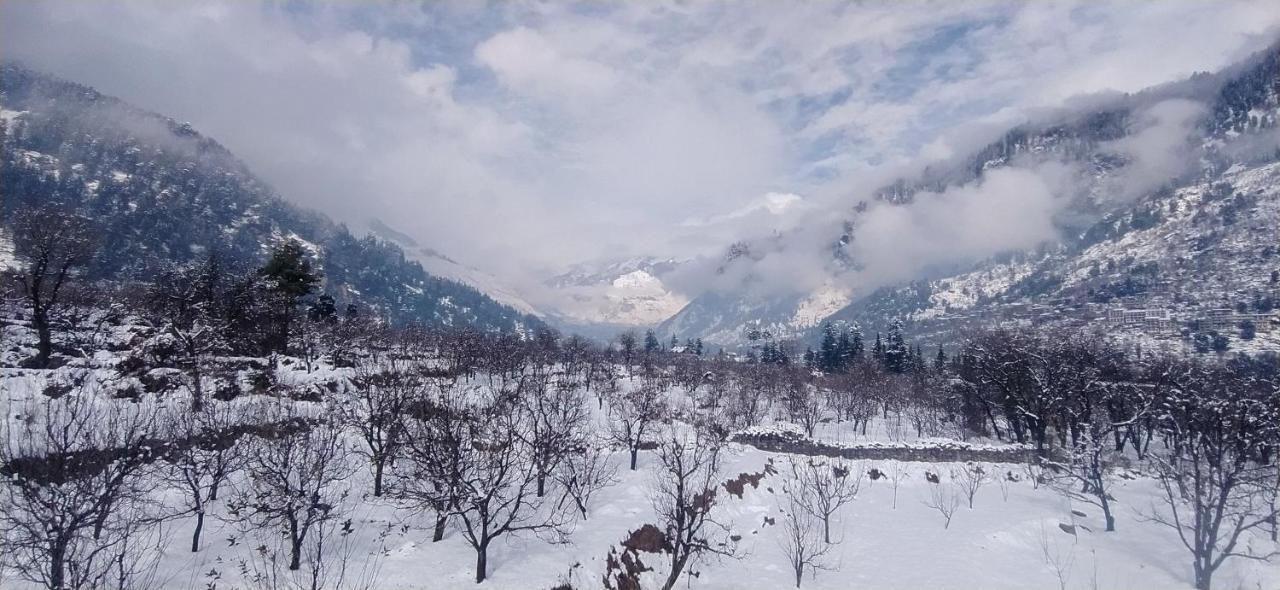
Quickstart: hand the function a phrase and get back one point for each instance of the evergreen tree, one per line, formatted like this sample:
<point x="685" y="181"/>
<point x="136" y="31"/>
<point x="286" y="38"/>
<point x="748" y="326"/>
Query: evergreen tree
<point x="674" y="342"/>
<point x="290" y="278"/>
<point x="854" y="351"/>
<point x="697" y="346"/>
<point x="829" y="355"/>
<point x="897" y="354"/>
<point x="939" y="360"/>
<point x="877" y="351"/>
<point x="651" y="344"/>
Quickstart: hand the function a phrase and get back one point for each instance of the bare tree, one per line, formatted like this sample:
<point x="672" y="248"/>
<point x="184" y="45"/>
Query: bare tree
<point x="1218" y="425"/>
<point x="800" y="542"/>
<point x="804" y="405"/>
<point x="944" y="498"/>
<point x="632" y="415"/>
<point x="53" y="244"/>
<point x="72" y="496"/>
<point x="823" y="487"/>
<point x="497" y="484"/>
<point x="183" y="298"/>
<point x="296" y="481"/>
<point x="555" y="418"/>
<point x="437" y="432"/>
<point x="586" y="472"/>
<point x="1059" y="560"/>
<point x="897" y="473"/>
<point x="382" y="388"/>
<point x="971" y="478"/>
<point x="202" y="455"/>
<point x="683" y="495"/>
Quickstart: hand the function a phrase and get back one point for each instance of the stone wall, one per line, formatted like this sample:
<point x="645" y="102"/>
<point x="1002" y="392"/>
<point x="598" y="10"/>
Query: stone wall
<point x="784" y="442"/>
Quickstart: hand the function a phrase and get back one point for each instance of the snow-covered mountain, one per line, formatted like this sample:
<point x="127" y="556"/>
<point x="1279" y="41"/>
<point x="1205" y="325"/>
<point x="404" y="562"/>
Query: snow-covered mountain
<point x="1191" y="229"/>
<point x="157" y="192"/>
<point x="441" y="265"/>
<point x="620" y="293"/>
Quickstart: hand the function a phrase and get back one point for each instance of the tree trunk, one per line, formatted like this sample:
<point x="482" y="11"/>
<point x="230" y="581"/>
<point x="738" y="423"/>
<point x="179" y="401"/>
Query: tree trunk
<point x="377" y="478"/>
<point x="295" y="549"/>
<point x="677" y="565"/>
<point x="542" y="484"/>
<point x="482" y="561"/>
<point x="197" y="388"/>
<point x="195" y="537"/>
<point x="634" y="450"/>
<point x="44" y="345"/>
<point x="1204" y="577"/>
<point x="57" y="565"/>
<point x="826" y="531"/>
<point x="441" y="520"/>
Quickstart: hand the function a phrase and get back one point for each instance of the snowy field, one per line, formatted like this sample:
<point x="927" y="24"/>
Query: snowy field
<point x="1014" y="537"/>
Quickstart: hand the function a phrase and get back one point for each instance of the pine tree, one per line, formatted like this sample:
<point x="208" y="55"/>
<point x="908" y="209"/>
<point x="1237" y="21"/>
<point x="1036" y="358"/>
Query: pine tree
<point x="651" y="344"/>
<point x="290" y="279"/>
<point x="877" y="351"/>
<point x="855" y="346"/>
<point x="697" y="346"/>
<point x="939" y="360"/>
<point x="897" y="354"/>
<point x="829" y="357"/>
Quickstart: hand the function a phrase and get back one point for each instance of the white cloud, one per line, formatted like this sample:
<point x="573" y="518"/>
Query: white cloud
<point x="522" y="136"/>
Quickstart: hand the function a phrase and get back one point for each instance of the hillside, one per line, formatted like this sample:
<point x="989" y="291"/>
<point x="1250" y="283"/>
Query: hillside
<point x="1190" y="229"/>
<point x="157" y="190"/>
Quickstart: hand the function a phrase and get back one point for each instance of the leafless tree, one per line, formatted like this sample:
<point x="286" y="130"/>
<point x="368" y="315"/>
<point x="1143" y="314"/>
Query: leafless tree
<point x="1006" y="481"/>
<point x="296" y="481"/>
<point x="944" y="498"/>
<point x="72" y="495"/>
<point x="627" y="345"/>
<point x="632" y="415"/>
<point x="800" y="542"/>
<point x="683" y="494"/>
<point x="53" y="244"/>
<point x="202" y="455"/>
<point x="804" y="405"/>
<point x="822" y="487"/>
<point x="382" y="387"/>
<point x="183" y="300"/>
<point x="554" y="419"/>
<point x="497" y="484"/>
<point x="971" y="478"/>
<point x="437" y="432"/>
<point x="1217" y="424"/>
<point x="1060" y="560"/>
<point x="897" y="473"/>
<point x="586" y="472"/>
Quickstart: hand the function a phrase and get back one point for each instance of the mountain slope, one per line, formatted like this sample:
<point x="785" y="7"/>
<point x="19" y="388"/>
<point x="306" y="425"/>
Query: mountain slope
<point x="158" y="191"/>
<point x="1212" y="129"/>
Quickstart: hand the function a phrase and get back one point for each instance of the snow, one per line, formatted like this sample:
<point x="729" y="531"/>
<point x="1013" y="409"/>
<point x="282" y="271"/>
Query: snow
<point x="9" y="116"/>
<point x="820" y="304"/>
<point x="8" y="258"/>
<point x="999" y="544"/>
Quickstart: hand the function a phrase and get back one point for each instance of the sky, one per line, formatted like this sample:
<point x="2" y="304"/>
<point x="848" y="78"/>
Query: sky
<point x="522" y="137"/>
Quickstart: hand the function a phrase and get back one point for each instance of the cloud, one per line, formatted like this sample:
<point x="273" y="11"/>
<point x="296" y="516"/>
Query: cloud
<point x="1160" y="149"/>
<point x="523" y="137"/>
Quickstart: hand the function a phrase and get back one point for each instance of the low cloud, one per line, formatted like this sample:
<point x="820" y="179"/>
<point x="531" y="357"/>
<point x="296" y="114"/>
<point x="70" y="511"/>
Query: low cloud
<point x="521" y="138"/>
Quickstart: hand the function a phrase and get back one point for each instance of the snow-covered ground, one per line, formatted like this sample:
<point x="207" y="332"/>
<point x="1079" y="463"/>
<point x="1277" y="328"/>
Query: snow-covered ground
<point x="999" y="544"/>
<point x="1016" y="536"/>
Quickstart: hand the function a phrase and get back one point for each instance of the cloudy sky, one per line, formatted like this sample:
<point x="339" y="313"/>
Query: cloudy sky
<point x="523" y="136"/>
